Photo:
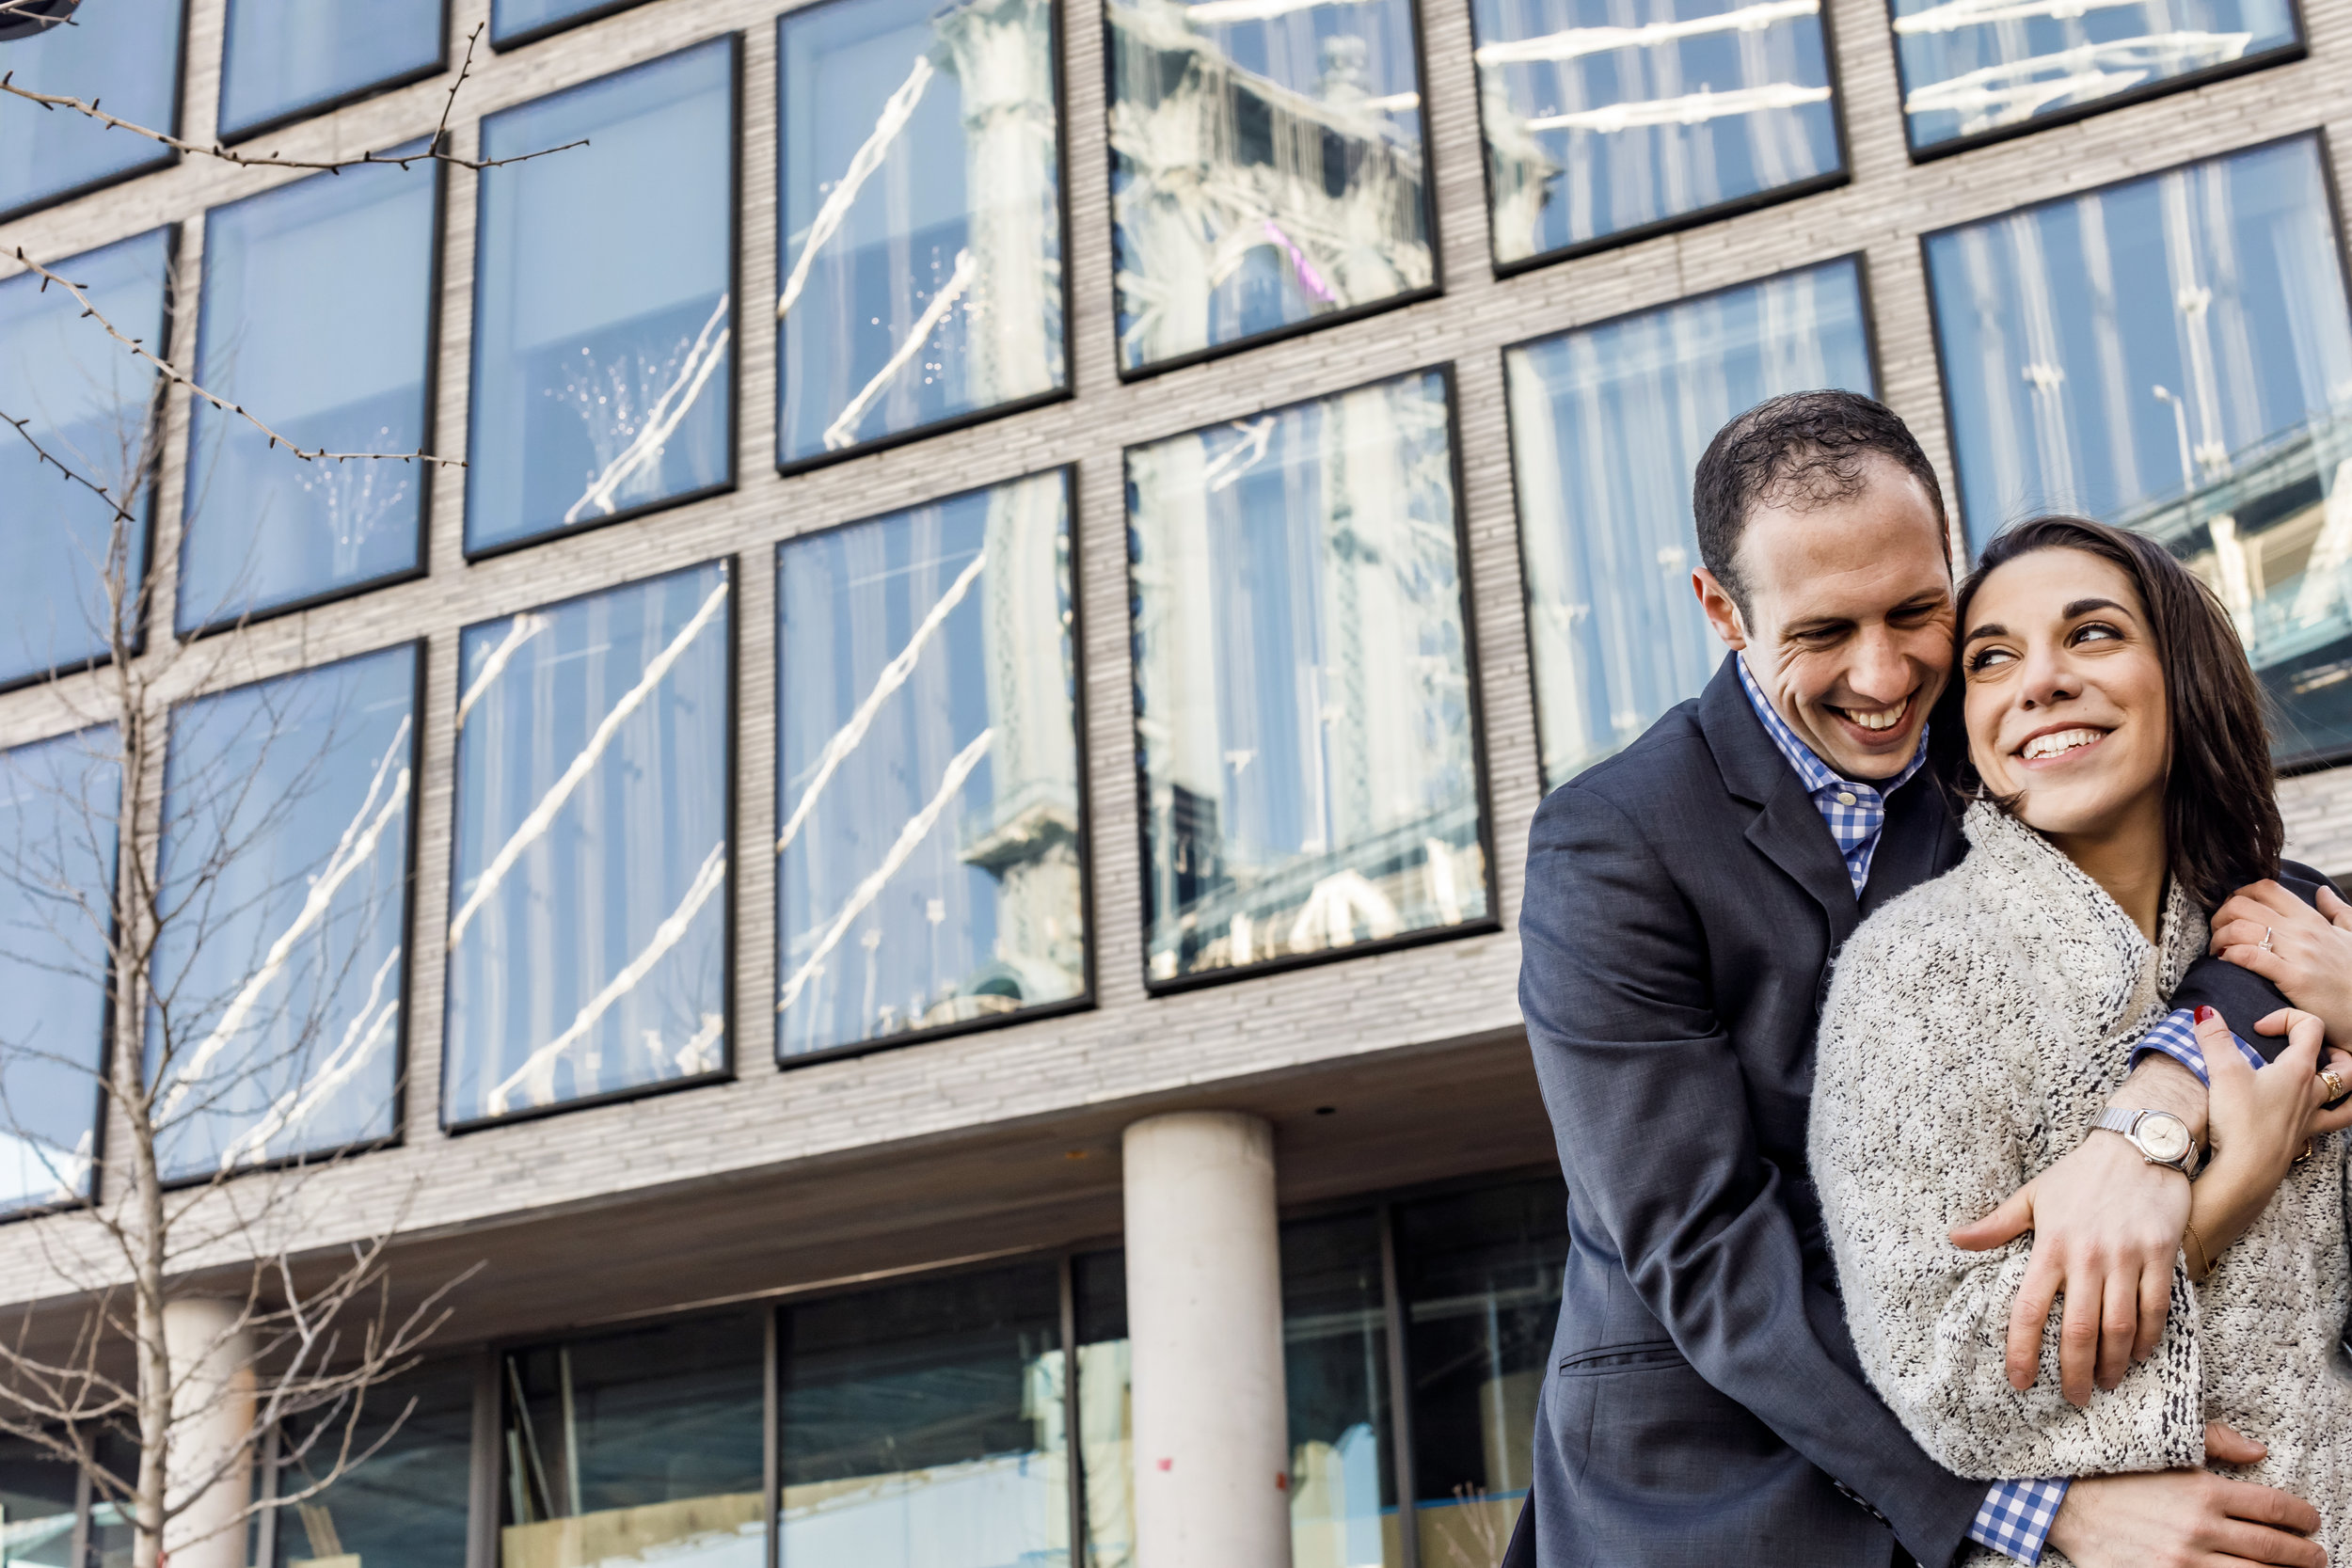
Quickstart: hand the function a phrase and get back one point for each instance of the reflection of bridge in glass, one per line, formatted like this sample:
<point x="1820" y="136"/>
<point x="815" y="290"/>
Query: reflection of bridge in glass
<point x="2273" y="537"/>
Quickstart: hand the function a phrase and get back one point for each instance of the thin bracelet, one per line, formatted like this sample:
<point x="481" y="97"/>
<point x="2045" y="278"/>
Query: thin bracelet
<point x="2200" y="1266"/>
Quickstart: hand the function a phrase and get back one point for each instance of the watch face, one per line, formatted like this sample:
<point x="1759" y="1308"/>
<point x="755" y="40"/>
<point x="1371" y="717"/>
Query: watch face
<point x="2163" y="1135"/>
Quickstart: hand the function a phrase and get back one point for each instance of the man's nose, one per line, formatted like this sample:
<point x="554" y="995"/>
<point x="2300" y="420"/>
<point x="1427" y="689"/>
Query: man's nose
<point x="1879" y="670"/>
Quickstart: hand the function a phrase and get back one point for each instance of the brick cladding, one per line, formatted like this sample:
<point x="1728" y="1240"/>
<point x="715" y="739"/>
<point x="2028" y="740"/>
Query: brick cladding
<point x="1129" y="1046"/>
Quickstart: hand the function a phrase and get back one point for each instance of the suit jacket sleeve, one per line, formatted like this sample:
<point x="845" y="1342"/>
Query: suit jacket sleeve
<point x="1649" y="1108"/>
<point x="2242" y="996"/>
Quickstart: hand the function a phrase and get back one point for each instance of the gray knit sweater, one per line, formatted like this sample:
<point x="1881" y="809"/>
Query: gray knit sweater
<point x="1973" y="1030"/>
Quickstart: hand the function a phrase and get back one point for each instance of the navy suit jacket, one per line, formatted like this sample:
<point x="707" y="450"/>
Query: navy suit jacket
<point x="1703" y="1405"/>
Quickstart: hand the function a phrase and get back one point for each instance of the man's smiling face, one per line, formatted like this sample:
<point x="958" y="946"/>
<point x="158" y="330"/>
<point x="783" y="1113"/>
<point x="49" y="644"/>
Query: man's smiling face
<point x="1847" y="625"/>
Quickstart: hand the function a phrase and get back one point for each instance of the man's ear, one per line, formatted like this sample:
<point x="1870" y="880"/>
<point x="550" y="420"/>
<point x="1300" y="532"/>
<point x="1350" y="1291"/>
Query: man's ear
<point x="1721" y="613"/>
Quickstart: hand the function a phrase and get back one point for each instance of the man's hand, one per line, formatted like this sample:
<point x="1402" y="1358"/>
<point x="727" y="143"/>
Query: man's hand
<point x="2106" y="1226"/>
<point x="2186" y="1518"/>
<point x="2311" y="950"/>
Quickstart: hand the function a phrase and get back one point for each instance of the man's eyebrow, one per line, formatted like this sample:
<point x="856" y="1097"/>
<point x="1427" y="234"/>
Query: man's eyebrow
<point x="2084" y="607"/>
<point x="1991" y="628"/>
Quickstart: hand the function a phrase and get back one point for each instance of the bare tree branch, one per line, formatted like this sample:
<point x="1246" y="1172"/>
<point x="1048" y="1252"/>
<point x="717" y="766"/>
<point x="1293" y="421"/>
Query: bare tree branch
<point x="122" y="513"/>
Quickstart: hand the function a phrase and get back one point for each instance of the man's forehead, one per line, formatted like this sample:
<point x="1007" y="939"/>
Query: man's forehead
<point x="1862" y="556"/>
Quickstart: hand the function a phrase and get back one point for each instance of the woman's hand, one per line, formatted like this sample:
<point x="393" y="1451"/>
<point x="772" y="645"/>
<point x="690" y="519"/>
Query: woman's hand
<point x="2310" y="955"/>
<point x="2261" y="1122"/>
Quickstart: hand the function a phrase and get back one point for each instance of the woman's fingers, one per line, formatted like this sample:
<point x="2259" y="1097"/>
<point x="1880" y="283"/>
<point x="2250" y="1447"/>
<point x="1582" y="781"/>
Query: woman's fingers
<point x="2338" y="913"/>
<point x="2221" y="1051"/>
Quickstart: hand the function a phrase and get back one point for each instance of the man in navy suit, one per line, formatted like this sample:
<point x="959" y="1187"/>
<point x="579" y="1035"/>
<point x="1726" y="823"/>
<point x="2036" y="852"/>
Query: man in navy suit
<point x="1684" y="900"/>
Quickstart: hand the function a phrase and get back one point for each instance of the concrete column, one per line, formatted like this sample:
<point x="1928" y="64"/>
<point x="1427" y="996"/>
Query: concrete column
<point x="1204" y="1329"/>
<point x="210" y="1362"/>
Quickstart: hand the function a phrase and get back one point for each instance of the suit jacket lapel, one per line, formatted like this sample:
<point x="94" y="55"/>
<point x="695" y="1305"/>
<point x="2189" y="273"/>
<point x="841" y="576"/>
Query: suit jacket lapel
<point x="1788" y="830"/>
<point x="1922" y="839"/>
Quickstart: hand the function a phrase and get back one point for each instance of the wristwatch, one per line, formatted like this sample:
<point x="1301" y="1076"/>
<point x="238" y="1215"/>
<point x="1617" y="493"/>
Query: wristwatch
<point x="2161" y="1137"/>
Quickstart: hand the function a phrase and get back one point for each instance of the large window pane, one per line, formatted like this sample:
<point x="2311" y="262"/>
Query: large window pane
<point x="37" y="1494"/>
<point x="1302" y="691"/>
<point x="918" y="284"/>
<point x="91" y="404"/>
<point x="604" y="371"/>
<point x="2174" y="353"/>
<point x="1335" y="1365"/>
<point x="279" y="977"/>
<point x="588" y="921"/>
<point x="404" y="1506"/>
<point x="1969" y="69"/>
<point x="287" y="55"/>
<point x="1604" y="119"/>
<point x="1480" y="1278"/>
<point x="58" y="800"/>
<point x="511" y="20"/>
<point x="1607" y="425"/>
<point x="124" y="54"/>
<point x="642" y="1445"/>
<point x="1106" y="1407"/>
<point x="277" y="333"/>
<point x="1267" y="168"/>
<point x="927" y="867"/>
<point x="924" y="1426"/>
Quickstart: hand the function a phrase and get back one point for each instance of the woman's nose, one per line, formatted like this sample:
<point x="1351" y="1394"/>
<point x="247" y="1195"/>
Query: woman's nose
<point x="2048" y="679"/>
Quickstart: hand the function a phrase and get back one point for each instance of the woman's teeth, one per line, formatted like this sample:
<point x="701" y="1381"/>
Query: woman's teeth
<point x="2057" y="741"/>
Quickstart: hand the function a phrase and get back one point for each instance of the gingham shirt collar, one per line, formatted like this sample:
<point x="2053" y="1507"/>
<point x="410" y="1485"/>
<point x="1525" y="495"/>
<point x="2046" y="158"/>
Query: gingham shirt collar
<point x="1855" y="812"/>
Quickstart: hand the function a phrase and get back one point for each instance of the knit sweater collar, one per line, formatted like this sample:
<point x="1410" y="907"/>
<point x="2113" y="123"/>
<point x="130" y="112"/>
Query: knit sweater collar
<point x="2077" y="935"/>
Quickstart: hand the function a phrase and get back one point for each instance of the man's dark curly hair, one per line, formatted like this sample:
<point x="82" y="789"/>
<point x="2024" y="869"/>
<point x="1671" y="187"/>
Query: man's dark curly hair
<point x="1801" y="450"/>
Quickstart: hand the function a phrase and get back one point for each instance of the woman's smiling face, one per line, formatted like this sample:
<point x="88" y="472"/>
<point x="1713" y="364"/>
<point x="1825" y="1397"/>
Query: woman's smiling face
<point x="2065" y="696"/>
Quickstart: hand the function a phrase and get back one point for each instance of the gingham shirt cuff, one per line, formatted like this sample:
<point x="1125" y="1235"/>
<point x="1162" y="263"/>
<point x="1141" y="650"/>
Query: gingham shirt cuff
<point x="2176" y="1037"/>
<point x="2016" y="1516"/>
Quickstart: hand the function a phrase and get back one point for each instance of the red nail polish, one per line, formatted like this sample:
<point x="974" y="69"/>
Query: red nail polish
<point x="2206" y="1015"/>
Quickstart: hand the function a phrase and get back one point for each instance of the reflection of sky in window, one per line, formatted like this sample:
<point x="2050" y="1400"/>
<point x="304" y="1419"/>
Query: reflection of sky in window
<point x="284" y="55"/>
<point x="1266" y="166"/>
<point x="1602" y="118"/>
<point x="126" y="54"/>
<point x="589" y="899"/>
<point x="1607" y="425"/>
<point x="2218" y="282"/>
<point x="1335" y="1376"/>
<point x="57" y="804"/>
<point x="1302" y="691"/>
<point x="510" y="18"/>
<point x="2174" y="353"/>
<point x="277" y="333"/>
<point x="920" y="221"/>
<point x="603" y="369"/>
<point x="88" y="402"/>
<point x="928" y="860"/>
<point x="923" y="1426"/>
<point x="285" y="855"/>
<point x="1976" y="66"/>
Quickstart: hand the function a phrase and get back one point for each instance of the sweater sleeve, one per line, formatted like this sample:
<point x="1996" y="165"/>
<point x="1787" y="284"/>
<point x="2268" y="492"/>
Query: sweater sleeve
<point x="1926" y="1096"/>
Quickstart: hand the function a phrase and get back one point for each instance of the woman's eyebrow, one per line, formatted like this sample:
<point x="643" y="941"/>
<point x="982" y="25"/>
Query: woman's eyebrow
<point x="2084" y="607"/>
<point x="1988" y="629"/>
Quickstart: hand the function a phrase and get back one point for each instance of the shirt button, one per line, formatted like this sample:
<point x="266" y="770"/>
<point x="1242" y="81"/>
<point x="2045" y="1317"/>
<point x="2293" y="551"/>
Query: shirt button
<point x="1844" y="796"/>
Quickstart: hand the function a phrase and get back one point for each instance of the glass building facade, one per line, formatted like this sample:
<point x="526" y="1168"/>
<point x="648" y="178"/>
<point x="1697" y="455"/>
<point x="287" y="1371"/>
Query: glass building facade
<point x="69" y="559"/>
<point x="1607" y="425"/>
<point x="60" y="802"/>
<point x="919" y="286"/>
<point x="2174" y="353"/>
<point x="928" y="868"/>
<point x="589" y="930"/>
<point x="284" y="59"/>
<point x="277" y="1024"/>
<point x="1600" y="128"/>
<point x="1304" y="721"/>
<point x="1268" y="168"/>
<point x="276" y="331"/>
<point x="604" y="318"/>
<point x="405" y="1507"/>
<point x="128" y="59"/>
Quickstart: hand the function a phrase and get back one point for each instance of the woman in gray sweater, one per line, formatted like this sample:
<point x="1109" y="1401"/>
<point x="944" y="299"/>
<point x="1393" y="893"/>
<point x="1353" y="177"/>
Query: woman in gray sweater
<point x="1976" y="1027"/>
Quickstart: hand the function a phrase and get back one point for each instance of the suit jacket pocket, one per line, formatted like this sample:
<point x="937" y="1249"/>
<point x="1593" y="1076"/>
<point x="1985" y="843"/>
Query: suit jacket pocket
<point x="1638" y="1356"/>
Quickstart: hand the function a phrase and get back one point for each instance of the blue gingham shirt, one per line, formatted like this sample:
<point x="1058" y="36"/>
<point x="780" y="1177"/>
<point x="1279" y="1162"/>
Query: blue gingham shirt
<point x="2016" y="1514"/>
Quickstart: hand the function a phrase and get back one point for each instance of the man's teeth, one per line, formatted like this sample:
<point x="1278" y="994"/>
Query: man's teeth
<point x="1885" y="719"/>
<point x="2057" y="741"/>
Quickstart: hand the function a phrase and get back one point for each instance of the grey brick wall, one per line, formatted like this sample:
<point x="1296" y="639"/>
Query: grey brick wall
<point x="1130" y="1047"/>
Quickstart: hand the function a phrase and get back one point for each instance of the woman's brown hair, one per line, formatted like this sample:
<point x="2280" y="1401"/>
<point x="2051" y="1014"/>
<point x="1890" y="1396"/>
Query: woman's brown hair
<point x="2220" y="796"/>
